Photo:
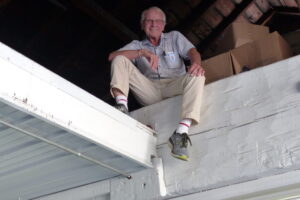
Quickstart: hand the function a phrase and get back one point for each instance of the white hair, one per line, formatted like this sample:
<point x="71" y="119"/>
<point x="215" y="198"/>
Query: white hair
<point x="153" y="8"/>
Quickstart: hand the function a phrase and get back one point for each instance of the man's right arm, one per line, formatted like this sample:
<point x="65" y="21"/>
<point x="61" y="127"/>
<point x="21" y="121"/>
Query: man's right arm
<point x="133" y="54"/>
<point x="130" y="54"/>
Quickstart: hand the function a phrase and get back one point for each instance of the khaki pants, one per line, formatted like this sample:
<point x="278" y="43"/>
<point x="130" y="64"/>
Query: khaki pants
<point x="125" y="75"/>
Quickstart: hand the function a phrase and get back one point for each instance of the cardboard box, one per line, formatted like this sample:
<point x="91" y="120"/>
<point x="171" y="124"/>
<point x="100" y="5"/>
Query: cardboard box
<point x="260" y="52"/>
<point x="293" y="39"/>
<point x="218" y="67"/>
<point x="238" y="34"/>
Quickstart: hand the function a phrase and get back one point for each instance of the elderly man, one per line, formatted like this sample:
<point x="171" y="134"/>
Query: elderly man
<point x="154" y="70"/>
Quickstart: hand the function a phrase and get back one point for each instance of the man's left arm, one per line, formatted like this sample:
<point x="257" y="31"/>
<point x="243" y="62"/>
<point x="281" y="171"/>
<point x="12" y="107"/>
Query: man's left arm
<point x="195" y="69"/>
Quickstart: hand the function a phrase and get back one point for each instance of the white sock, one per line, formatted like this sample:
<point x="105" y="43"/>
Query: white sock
<point x="183" y="126"/>
<point x="121" y="99"/>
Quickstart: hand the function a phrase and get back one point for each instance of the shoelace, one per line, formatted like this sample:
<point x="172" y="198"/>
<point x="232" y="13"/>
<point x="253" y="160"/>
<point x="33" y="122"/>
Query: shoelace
<point x="185" y="139"/>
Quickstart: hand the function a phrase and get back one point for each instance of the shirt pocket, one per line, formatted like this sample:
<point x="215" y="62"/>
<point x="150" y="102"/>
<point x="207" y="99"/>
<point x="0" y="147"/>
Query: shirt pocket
<point x="172" y="60"/>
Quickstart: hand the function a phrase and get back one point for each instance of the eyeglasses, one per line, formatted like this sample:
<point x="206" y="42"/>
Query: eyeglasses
<point x="157" y="21"/>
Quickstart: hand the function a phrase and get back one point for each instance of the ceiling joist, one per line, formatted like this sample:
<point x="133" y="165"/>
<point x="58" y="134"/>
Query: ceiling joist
<point x="225" y="23"/>
<point x="112" y="24"/>
<point x="196" y="13"/>
<point x="4" y="2"/>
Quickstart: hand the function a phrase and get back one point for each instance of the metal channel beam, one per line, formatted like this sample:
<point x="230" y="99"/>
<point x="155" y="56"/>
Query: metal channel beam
<point x="76" y="153"/>
<point x="33" y="89"/>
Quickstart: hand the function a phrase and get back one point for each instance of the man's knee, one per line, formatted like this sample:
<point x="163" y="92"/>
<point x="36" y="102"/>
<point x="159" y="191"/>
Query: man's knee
<point x="198" y="80"/>
<point x="201" y="79"/>
<point x="121" y="63"/>
<point x="119" y="59"/>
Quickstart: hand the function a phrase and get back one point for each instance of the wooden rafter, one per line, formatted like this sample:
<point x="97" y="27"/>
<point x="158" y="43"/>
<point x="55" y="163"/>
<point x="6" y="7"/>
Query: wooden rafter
<point x="112" y="24"/>
<point x="298" y="2"/>
<point x="195" y="14"/>
<point x="4" y="2"/>
<point x="266" y="17"/>
<point x="226" y="22"/>
<point x="277" y="10"/>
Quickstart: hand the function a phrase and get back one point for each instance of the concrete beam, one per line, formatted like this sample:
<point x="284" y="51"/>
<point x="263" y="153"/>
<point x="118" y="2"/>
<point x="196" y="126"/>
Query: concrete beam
<point x="249" y="130"/>
<point x="282" y="186"/>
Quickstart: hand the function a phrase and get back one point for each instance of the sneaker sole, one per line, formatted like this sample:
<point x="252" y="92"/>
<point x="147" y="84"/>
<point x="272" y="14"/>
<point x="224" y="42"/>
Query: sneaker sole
<point x="181" y="157"/>
<point x="184" y="158"/>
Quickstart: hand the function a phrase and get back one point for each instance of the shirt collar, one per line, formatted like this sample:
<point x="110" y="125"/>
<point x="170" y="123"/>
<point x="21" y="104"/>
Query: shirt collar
<point x="146" y="42"/>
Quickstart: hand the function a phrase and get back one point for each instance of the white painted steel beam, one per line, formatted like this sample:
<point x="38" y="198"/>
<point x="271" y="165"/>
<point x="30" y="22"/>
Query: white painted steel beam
<point x="64" y="148"/>
<point x="33" y="89"/>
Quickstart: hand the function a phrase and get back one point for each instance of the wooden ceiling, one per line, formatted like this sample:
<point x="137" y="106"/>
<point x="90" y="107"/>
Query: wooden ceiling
<point x="74" y="37"/>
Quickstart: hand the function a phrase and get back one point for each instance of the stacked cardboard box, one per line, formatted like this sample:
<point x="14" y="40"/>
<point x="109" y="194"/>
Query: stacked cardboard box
<point x="218" y="67"/>
<point x="246" y="47"/>
<point x="238" y="34"/>
<point x="292" y="39"/>
<point x="260" y="52"/>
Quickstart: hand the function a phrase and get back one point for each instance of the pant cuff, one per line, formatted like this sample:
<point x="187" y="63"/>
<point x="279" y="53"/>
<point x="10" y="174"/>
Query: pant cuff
<point x="195" y="118"/>
<point x="119" y="88"/>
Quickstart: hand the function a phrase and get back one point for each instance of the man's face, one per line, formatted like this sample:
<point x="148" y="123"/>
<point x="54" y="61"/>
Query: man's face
<point x="153" y="25"/>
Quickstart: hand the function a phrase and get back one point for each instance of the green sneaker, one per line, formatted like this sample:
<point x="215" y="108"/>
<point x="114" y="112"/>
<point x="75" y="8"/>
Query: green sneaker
<point x="179" y="145"/>
<point x="122" y="108"/>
